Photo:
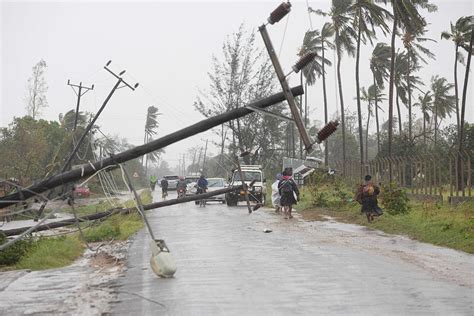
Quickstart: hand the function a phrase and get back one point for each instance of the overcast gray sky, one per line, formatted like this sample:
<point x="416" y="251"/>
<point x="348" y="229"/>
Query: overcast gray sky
<point x="167" y="47"/>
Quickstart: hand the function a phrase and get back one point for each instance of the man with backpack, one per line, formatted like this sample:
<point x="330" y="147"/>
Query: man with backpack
<point x="367" y="197"/>
<point x="289" y="193"/>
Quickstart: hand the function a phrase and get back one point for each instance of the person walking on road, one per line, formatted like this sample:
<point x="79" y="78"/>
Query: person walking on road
<point x="276" y="194"/>
<point x="153" y="181"/>
<point x="289" y="192"/>
<point x="367" y="197"/>
<point x="164" y="188"/>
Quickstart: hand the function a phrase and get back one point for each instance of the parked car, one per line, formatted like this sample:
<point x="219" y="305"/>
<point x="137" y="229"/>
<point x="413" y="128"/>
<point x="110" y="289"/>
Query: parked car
<point x="82" y="191"/>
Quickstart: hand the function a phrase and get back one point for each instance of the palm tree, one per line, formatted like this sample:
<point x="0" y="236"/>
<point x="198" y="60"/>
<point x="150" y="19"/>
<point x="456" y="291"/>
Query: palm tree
<point x="412" y="40"/>
<point x="425" y="102"/>
<point x="366" y="15"/>
<point x="151" y="125"/>
<point x="406" y="16"/>
<point x="67" y="120"/>
<point x="459" y="34"/>
<point x="443" y="102"/>
<point x="379" y="65"/>
<point x="464" y="92"/>
<point x="402" y="82"/>
<point x="318" y="41"/>
<point x="372" y="96"/>
<point x="344" y="41"/>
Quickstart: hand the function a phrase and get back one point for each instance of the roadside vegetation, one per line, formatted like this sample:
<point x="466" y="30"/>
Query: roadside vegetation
<point x="435" y="223"/>
<point x="39" y="253"/>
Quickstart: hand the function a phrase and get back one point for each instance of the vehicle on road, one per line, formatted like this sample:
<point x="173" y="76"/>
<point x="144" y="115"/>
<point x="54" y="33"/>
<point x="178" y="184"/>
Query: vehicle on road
<point x="82" y="191"/>
<point x="181" y="193"/>
<point x="213" y="185"/>
<point x="172" y="181"/>
<point x="191" y="181"/>
<point x="257" y="193"/>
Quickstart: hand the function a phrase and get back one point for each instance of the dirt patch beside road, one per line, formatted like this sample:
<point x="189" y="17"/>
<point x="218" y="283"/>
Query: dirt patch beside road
<point x="83" y="288"/>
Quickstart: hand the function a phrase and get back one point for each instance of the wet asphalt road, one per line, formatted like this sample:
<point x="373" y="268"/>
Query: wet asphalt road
<point x="227" y="265"/>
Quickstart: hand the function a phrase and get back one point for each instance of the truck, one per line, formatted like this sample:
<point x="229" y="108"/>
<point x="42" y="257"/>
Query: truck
<point x="257" y="193"/>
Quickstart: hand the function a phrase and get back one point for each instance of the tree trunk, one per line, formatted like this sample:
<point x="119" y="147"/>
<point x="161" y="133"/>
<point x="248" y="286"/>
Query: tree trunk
<point x="399" y="113"/>
<point x="90" y="169"/>
<point x="326" y="149"/>
<point x="424" y="130"/>
<point x="377" y="114"/>
<point x="301" y="114"/>
<point x="390" y="87"/>
<point x="359" y="110"/>
<point x="456" y="87"/>
<point x="367" y="135"/>
<point x="435" y="124"/>
<point x="464" y="94"/>
<point x="409" y="100"/>
<point x="463" y="105"/>
<point x="343" y="125"/>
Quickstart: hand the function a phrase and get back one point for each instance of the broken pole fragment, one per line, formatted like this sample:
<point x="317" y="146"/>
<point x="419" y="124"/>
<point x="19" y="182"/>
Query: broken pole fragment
<point x="90" y="169"/>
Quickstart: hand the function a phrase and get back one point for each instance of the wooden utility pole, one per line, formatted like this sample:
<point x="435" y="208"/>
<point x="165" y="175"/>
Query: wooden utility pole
<point x="204" y="159"/>
<point x="89" y="169"/>
<point x="79" y="94"/>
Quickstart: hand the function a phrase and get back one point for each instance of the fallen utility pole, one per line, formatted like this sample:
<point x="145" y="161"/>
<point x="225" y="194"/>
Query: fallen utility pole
<point x="89" y="169"/>
<point x="151" y="206"/>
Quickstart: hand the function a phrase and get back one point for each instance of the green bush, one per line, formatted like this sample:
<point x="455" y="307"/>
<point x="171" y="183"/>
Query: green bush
<point x="13" y="254"/>
<point x="394" y="199"/>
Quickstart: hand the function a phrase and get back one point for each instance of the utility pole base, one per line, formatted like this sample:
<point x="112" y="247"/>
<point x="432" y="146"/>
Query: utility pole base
<point x="161" y="261"/>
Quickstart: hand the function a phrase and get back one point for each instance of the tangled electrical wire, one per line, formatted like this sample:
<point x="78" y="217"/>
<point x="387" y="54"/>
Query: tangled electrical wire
<point x="109" y="187"/>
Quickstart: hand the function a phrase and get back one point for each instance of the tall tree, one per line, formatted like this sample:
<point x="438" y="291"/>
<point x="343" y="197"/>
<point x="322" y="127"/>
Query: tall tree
<point x="151" y="126"/>
<point x="459" y="34"/>
<point x="415" y="52"/>
<point x="242" y="75"/>
<point x="466" y="79"/>
<point x="366" y="16"/>
<point x="402" y="65"/>
<point x="344" y="36"/>
<point x="425" y="102"/>
<point x="373" y="97"/>
<point x="444" y="103"/>
<point x="379" y="65"/>
<point x="318" y="42"/>
<point x="36" y="90"/>
<point x="405" y="16"/>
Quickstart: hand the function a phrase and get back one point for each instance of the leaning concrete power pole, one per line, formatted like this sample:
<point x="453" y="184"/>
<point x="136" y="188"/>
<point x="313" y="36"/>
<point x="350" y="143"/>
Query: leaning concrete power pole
<point x="282" y="10"/>
<point x="87" y="170"/>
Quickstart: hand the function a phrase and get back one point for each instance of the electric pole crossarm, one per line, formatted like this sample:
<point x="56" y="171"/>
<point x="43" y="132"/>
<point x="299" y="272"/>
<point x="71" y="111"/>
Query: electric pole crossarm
<point x="90" y="169"/>
<point x="79" y="95"/>
<point x="120" y="78"/>
<point x="286" y="88"/>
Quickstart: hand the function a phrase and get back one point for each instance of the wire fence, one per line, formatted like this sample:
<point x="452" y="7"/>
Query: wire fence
<point x="426" y="174"/>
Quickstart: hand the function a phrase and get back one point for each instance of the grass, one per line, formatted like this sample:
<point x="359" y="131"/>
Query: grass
<point x="438" y="224"/>
<point x="47" y="253"/>
<point x="55" y="252"/>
